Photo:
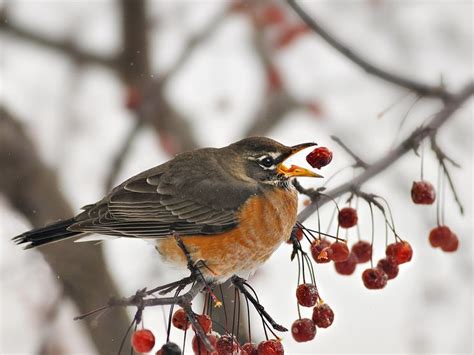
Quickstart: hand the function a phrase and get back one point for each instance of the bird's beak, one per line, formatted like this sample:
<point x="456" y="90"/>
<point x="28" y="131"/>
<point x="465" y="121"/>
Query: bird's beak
<point x="294" y="170"/>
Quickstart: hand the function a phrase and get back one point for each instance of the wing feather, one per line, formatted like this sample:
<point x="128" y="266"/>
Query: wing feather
<point x="170" y="198"/>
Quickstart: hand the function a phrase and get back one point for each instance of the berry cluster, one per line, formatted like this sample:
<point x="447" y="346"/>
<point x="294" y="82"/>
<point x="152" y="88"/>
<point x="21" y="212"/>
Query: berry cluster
<point x="423" y="193"/>
<point x="345" y="260"/>
<point x="444" y="238"/>
<point x="224" y="344"/>
<point x="304" y="329"/>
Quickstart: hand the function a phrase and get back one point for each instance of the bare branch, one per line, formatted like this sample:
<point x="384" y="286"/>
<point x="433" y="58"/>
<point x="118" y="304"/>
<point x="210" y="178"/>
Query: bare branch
<point x="63" y="46"/>
<point x="358" y="161"/>
<point x="412" y="141"/>
<point x="442" y="158"/>
<point x="420" y="88"/>
<point x="32" y="189"/>
<point x="121" y="155"/>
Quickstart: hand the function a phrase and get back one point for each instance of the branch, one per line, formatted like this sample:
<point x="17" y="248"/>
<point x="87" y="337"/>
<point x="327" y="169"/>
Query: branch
<point x="443" y="158"/>
<point x="32" y="189"/>
<point x="358" y="161"/>
<point x="63" y="46"/>
<point x="408" y="144"/>
<point x="420" y="88"/>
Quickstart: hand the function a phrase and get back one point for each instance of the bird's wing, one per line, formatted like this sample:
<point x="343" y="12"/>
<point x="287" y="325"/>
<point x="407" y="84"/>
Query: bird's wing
<point x="166" y="199"/>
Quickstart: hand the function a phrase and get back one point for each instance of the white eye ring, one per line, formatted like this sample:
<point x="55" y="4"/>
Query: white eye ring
<point x="266" y="162"/>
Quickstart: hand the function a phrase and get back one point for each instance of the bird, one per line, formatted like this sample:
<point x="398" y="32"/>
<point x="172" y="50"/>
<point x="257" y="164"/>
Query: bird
<point x="231" y="207"/>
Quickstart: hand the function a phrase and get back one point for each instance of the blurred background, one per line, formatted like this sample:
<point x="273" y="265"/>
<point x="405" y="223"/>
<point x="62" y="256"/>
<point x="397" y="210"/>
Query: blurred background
<point x="93" y="92"/>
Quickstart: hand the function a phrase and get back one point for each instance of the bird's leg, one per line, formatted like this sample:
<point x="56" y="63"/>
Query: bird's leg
<point x="240" y="283"/>
<point x="191" y="265"/>
<point x="195" y="268"/>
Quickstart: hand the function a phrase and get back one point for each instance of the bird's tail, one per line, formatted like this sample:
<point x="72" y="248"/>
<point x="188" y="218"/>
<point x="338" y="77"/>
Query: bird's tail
<point x="48" y="234"/>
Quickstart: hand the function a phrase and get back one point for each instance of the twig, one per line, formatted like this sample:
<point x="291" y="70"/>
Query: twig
<point x="239" y="283"/>
<point x="418" y="87"/>
<point x="121" y="155"/>
<point x="62" y="46"/>
<point x="412" y="141"/>
<point x="358" y="161"/>
<point x="442" y="158"/>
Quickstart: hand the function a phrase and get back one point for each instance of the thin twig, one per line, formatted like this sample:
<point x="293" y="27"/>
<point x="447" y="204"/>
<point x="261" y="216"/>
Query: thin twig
<point x="358" y="161"/>
<point x="405" y="146"/>
<point x="442" y="158"/>
<point x="418" y="87"/>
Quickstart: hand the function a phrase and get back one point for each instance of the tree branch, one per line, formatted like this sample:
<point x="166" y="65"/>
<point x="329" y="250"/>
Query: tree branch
<point x="63" y="46"/>
<point x="32" y="189"/>
<point x="418" y="87"/>
<point x="408" y="144"/>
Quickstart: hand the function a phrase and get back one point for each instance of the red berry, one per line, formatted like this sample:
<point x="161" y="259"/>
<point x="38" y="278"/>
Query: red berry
<point x="347" y="267"/>
<point x="227" y="345"/>
<point x="451" y="244"/>
<point x="401" y="252"/>
<point x="180" y="320"/>
<point x="323" y="316"/>
<point x="238" y="6"/>
<point x="133" y="98"/>
<point x="250" y="348"/>
<point x="272" y="14"/>
<point x="270" y="347"/>
<point x="363" y="251"/>
<point x="290" y="33"/>
<point x="321" y="251"/>
<point x="199" y="347"/>
<point x="315" y="108"/>
<point x="303" y="330"/>
<point x="347" y="217"/>
<point x="340" y="252"/>
<point x="274" y="80"/>
<point x="423" y="193"/>
<point x="319" y="157"/>
<point x="439" y="235"/>
<point x="307" y="295"/>
<point x="374" y="279"/>
<point x="389" y="266"/>
<point x="298" y="233"/>
<point x="169" y="349"/>
<point x="205" y="321"/>
<point x="143" y="340"/>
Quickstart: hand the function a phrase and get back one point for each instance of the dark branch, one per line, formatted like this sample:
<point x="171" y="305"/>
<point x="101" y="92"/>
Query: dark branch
<point x="63" y="46"/>
<point x="408" y="144"/>
<point x="418" y="87"/>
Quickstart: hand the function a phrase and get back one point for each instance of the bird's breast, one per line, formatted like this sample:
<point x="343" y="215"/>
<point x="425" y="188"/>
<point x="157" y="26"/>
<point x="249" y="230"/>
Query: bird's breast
<point x="265" y="221"/>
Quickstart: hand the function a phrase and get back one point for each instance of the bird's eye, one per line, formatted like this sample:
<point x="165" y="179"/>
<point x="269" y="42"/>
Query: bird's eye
<point x="266" y="161"/>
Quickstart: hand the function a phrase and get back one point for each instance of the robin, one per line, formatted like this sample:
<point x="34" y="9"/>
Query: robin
<point x="231" y="207"/>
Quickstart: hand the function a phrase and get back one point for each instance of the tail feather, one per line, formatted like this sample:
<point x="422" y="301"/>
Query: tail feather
<point x="48" y="234"/>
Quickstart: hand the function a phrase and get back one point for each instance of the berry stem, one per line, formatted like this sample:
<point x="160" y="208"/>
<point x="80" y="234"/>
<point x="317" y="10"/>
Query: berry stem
<point x="373" y="233"/>
<point x="357" y="225"/>
<point x="422" y="159"/>
<point x="438" y="202"/>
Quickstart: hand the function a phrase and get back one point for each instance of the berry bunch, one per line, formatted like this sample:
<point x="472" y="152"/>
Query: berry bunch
<point x="225" y="344"/>
<point x="304" y="329"/>
<point x="444" y="238"/>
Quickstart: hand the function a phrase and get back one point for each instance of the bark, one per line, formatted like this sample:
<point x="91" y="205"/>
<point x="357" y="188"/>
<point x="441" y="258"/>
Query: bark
<point x="32" y="189"/>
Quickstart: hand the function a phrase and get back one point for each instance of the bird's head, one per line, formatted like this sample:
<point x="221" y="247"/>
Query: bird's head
<point x="262" y="160"/>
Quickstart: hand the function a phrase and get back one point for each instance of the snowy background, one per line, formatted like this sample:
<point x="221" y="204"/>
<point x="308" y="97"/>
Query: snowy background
<point x="78" y="120"/>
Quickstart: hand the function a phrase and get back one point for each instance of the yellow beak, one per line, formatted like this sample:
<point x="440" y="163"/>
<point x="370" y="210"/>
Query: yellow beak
<point x="294" y="170"/>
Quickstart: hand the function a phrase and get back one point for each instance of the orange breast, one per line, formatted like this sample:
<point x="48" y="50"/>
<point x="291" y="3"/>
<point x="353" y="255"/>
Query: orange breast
<point x="265" y="221"/>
